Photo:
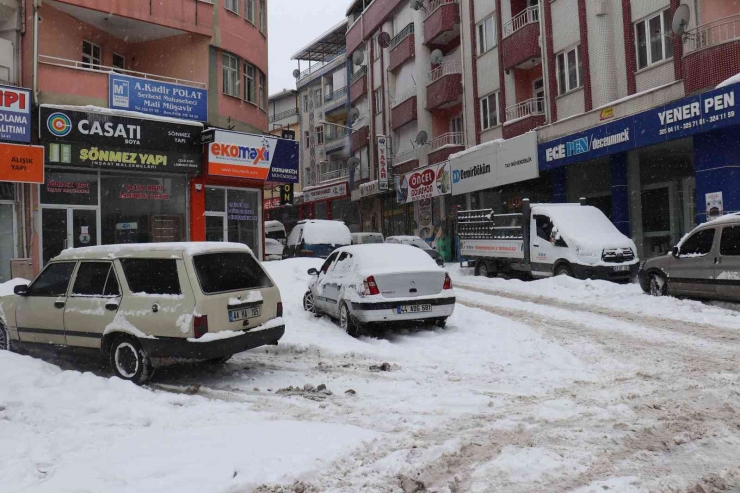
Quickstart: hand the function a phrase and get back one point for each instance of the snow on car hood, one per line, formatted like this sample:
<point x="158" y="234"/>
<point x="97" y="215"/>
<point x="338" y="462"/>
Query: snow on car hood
<point x="585" y="226"/>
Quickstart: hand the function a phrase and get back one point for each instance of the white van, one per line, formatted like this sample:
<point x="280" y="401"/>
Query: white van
<point x="275" y="230"/>
<point x="139" y="302"/>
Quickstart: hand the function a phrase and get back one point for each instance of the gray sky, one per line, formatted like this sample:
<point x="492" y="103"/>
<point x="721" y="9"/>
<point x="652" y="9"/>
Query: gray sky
<point x="292" y="25"/>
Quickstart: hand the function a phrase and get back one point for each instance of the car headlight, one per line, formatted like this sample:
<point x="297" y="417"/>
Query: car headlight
<point x="582" y="252"/>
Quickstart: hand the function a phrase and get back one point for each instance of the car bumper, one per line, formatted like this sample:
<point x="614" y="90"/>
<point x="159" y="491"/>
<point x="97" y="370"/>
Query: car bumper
<point x="605" y="273"/>
<point x="182" y="348"/>
<point x="387" y="311"/>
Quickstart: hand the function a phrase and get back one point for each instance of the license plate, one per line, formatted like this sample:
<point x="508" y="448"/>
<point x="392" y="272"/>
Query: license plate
<point x="414" y="308"/>
<point x="621" y="268"/>
<point x="244" y="313"/>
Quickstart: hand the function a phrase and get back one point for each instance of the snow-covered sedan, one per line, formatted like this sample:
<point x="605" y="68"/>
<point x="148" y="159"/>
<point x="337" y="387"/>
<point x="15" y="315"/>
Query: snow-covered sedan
<point x="380" y="284"/>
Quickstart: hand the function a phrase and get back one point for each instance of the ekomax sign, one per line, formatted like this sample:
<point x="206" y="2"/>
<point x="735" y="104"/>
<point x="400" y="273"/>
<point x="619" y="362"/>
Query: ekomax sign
<point x="108" y="140"/>
<point x="157" y="98"/>
<point x="682" y="118"/>
<point x="256" y="157"/>
<point x="15" y="114"/>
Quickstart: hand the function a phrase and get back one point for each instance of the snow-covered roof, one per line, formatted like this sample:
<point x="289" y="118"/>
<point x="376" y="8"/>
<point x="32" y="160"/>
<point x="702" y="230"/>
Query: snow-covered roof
<point x="389" y="257"/>
<point x="122" y="113"/>
<point x="157" y="250"/>
<point x="331" y="42"/>
<point x="326" y="232"/>
<point x="727" y="218"/>
<point x="584" y="225"/>
<point x="732" y="80"/>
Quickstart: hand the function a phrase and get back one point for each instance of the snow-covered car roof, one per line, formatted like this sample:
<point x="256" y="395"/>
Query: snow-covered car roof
<point x="585" y="225"/>
<point x="153" y="250"/>
<point x="326" y="232"/>
<point x="367" y="234"/>
<point x="387" y="257"/>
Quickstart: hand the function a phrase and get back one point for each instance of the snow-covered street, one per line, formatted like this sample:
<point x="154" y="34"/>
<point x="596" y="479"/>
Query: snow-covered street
<point x="558" y="385"/>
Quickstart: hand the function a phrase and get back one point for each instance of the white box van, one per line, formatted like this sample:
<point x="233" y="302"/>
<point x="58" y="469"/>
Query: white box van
<point x="139" y="302"/>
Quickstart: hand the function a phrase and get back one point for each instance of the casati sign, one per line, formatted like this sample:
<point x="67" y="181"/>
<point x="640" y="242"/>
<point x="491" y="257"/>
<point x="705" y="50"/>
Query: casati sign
<point x="423" y="183"/>
<point x="256" y="157"/>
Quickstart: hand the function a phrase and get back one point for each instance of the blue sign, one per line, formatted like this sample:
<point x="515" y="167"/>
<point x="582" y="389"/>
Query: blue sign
<point x="15" y="114"/>
<point x="157" y="98"/>
<point x="676" y="120"/>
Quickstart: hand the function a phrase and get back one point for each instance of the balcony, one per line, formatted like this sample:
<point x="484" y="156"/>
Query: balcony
<point x="402" y="47"/>
<point x="316" y="67"/>
<point x="358" y="85"/>
<point x="444" y="145"/>
<point x="523" y="117"/>
<point x="442" y="24"/>
<point x="283" y="115"/>
<point x="360" y="138"/>
<point x="334" y="174"/>
<point x="369" y="21"/>
<point x="405" y="161"/>
<point x="403" y="109"/>
<point x="520" y="44"/>
<point x="336" y="100"/>
<point x="711" y="53"/>
<point x="336" y="141"/>
<point x="444" y="86"/>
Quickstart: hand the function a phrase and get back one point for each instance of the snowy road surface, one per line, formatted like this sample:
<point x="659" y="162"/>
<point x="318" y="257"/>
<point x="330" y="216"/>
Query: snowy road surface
<point x="554" y="385"/>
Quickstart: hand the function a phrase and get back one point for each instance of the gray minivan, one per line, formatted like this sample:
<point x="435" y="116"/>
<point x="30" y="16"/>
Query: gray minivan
<point x="705" y="264"/>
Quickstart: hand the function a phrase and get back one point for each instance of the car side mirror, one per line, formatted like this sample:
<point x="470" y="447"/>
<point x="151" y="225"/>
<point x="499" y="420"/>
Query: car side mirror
<point x="21" y="289"/>
<point x="313" y="272"/>
<point x="675" y="251"/>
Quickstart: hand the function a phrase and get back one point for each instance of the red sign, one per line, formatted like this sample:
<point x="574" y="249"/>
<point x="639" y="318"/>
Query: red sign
<point x="273" y="203"/>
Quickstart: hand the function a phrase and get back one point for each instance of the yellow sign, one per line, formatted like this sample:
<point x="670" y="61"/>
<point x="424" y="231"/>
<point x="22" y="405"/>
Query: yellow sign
<point x="606" y="113"/>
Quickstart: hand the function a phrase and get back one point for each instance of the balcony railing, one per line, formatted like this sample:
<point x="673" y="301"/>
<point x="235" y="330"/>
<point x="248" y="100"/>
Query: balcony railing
<point x="405" y="32"/>
<point x="530" y="15"/>
<point x="336" y="135"/>
<point x="405" y="156"/>
<point x="336" y="95"/>
<point x="283" y="114"/>
<point x="318" y="66"/>
<point x="712" y="34"/>
<point x="448" y="139"/>
<point x="403" y="96"/>
<point x="435" y="4"/>
<point x="530" y="107"/>
<point x="358" y="75"/>
<point x="334" y="174"/>
<point x="445" y="68"/>
<point x="104" y="69"/>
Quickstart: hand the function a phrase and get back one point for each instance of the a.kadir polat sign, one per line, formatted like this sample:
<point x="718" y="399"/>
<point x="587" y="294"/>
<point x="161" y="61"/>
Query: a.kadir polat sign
<point x="255" y="157"/>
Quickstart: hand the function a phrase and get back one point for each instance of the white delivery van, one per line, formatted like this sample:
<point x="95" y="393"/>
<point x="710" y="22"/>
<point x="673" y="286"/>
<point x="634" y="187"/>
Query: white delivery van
<point x="275" y="230"/>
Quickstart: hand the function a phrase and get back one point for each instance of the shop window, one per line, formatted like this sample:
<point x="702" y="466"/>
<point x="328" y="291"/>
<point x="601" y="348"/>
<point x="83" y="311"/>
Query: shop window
<point x="700" y="243"/>
<point x="53" y="281"/>
<point x="65" y="188"/>
<point x="569" y="70"/>
<point x="152" y="276"/>
<point x="7" y="190"/>
<point x="250" y="93"/>
<point x="489" y="111"/>
<point x="233" y="215"/>
<point x="654" y="39"/>
<point x="91" y="55"/>
<point x="249" y="10"/>
<point x="730" y="242"/>
<point x="95" y="279"/>
<point x="487" y="34"/>
<point x="231" y="74"/>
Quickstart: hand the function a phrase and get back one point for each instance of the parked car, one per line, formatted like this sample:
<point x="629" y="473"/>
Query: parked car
<point x="273" y="249"/>
<point x="316" y="238"/>
<point x="137" y="302"/>
<point x="379" y="284"/>
<point x="705" y="264"/>
<point x="365" y="238"/>
<point x="275" y="230"/>
<point x="418" y="243"/>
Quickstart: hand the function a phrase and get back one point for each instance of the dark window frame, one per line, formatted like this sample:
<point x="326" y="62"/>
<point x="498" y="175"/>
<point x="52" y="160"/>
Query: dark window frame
<point x="111" y="269"/>
<point x="707" y="231"/>
<point x="735" y="230"/>
<point x="125" y="262"/>
<point x="49" y="266"/>
<point x="203" y="290"/>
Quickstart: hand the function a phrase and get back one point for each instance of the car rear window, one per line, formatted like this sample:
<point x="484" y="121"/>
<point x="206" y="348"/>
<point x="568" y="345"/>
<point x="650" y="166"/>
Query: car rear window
<point x="152" y="276"/>
<point x="229" y="271"/>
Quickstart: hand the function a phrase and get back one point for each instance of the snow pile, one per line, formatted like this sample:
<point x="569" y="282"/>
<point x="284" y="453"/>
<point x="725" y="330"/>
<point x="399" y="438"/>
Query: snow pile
<point x="252" y="296"/>
<point x="728" y="82"/>
<point x="322" y="232"/>
<point x="7" y="287"/>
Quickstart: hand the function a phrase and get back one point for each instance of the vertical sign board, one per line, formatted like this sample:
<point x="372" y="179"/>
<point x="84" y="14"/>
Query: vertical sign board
<point x="15" y="114"/>
<point x="382" y="162"/>
<point x="157" y="98"/>
<point x="715" y="204"/>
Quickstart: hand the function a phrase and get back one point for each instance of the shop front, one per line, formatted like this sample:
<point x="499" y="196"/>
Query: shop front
<point x="331" y="201"/>
<point x="112" y="178"/>
<point x="651" y="172"/>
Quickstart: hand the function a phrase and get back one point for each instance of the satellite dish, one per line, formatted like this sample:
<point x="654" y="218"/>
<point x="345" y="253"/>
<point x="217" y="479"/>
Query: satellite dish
<point x="358" y="57"/>
<point x="681" y="19"/>
<point x="416" y="4"/>
<point x="422" y="138"/>
<point x="384" y="39"/>
<point x="436" y="57"/>
<point x="353" y="162"/>
<point x="354" y="114"/>
<point x="296" y="73"/>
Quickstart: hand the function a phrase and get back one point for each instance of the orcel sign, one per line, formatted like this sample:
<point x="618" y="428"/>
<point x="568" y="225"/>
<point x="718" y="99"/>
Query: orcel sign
<point x="423" y="183"/>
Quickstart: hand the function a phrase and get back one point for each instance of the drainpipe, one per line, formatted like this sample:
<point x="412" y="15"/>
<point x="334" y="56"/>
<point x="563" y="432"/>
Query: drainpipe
<point x="36" y="5"/>
<point x="462" y="77"/>
<point x="545" y="68"/>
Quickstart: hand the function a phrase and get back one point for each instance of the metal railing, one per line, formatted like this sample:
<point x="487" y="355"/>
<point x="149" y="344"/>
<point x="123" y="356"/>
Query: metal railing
<point x="529" y="15"/>
<point x="335" y="95"/>
<point x="403" y="34"/>
<point x="403" y="96"/>
<point x="283" y="114"/>
<point x="319" y="65"/>
<point x="405" y="156"/>
<point x="712" y="34"/>
<point x="334" y="174"/>
<point x="104" y="69"/>
<point x="445" y="68"/>
<point x="530" y="107"/>
<point x="435" y="4"/>
<point x="448" y="139"/>
<point x="336" y="135"/>
<point x="358" y="75"/>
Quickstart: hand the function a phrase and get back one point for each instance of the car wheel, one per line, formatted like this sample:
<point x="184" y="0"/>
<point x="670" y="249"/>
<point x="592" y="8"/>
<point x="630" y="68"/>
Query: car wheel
<point x="347" y="322"/>
<point x="658" y="285"/>
<point x="481" y="269"/>
<point x="219" y="361"/>
<point x="4" y="338"/>
<point x="441" y="323"/>
<point x="564" y="270"/>
<point x="129" y="361"/>
<point x="309" y="305"/>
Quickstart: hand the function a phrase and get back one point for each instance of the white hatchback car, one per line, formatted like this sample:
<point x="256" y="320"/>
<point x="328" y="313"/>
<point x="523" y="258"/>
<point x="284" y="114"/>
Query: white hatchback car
<point x="135" y="303"/>
<point x="380" y="283"/>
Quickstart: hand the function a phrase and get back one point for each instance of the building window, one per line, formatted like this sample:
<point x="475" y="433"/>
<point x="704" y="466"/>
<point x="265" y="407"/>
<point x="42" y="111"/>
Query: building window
<point x="250" y="93"/>
<point x="569" y="70"/>
<point x="654" y="39"/>
<point x="249" y="10"/>
<point x="90" y="55"/>
<point x="307" y="138"/>
<point x="378" y="101"/>
<point x="231" y="75"/>
<point x="263" y="91"/>
<point x="456" y="125"/>
<point x="317" y="100"/>
<point x="305" y="103"/>
<point x="489" y="111"/>
<point x="232" y="5"/>
<point x="119" y="61"/>
<point x="263" y="16"/>
<point x="487" y="34"/>
<point x="376" y="48"/>
<point x="320" y="135"/>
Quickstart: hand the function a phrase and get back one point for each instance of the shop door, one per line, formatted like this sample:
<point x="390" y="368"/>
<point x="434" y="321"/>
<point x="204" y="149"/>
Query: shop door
<point x="67" y="227"/>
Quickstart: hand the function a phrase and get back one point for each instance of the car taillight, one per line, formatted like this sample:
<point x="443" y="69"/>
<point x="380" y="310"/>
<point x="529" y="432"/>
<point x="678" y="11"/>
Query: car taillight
<point x="370" y="287"/>
<point x="306" y="253"/>
<point x="279" y="312"/>
<point x="200" y="325"/>
<point x="448" y="282"/>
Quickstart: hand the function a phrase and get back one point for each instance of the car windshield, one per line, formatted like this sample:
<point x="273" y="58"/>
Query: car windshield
<point x="229" y="271"/>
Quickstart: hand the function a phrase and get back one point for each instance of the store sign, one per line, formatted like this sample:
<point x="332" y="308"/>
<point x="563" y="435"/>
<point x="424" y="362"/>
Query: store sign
<point x="715" y="204"/>
<point x="606" y="114"/>
<point x="15" y="114"/>
<point x="241" y="211"/>
<point x="21" y="163"/>
<point x="369" y="188"/>
<point x="142" y="191"/>
<point x="106" y="140"/>
<point x="286" y="194"/>
<point x="423" y="183"/>
<point x="383" y="178"/>
<point x="157" y="98"/>
<point x="494" y="164"/>
<point x="256" y="157"/>
<point x="682" y="118"/>
<point x="328" y="192"/>
<point x="272" y="203"/>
